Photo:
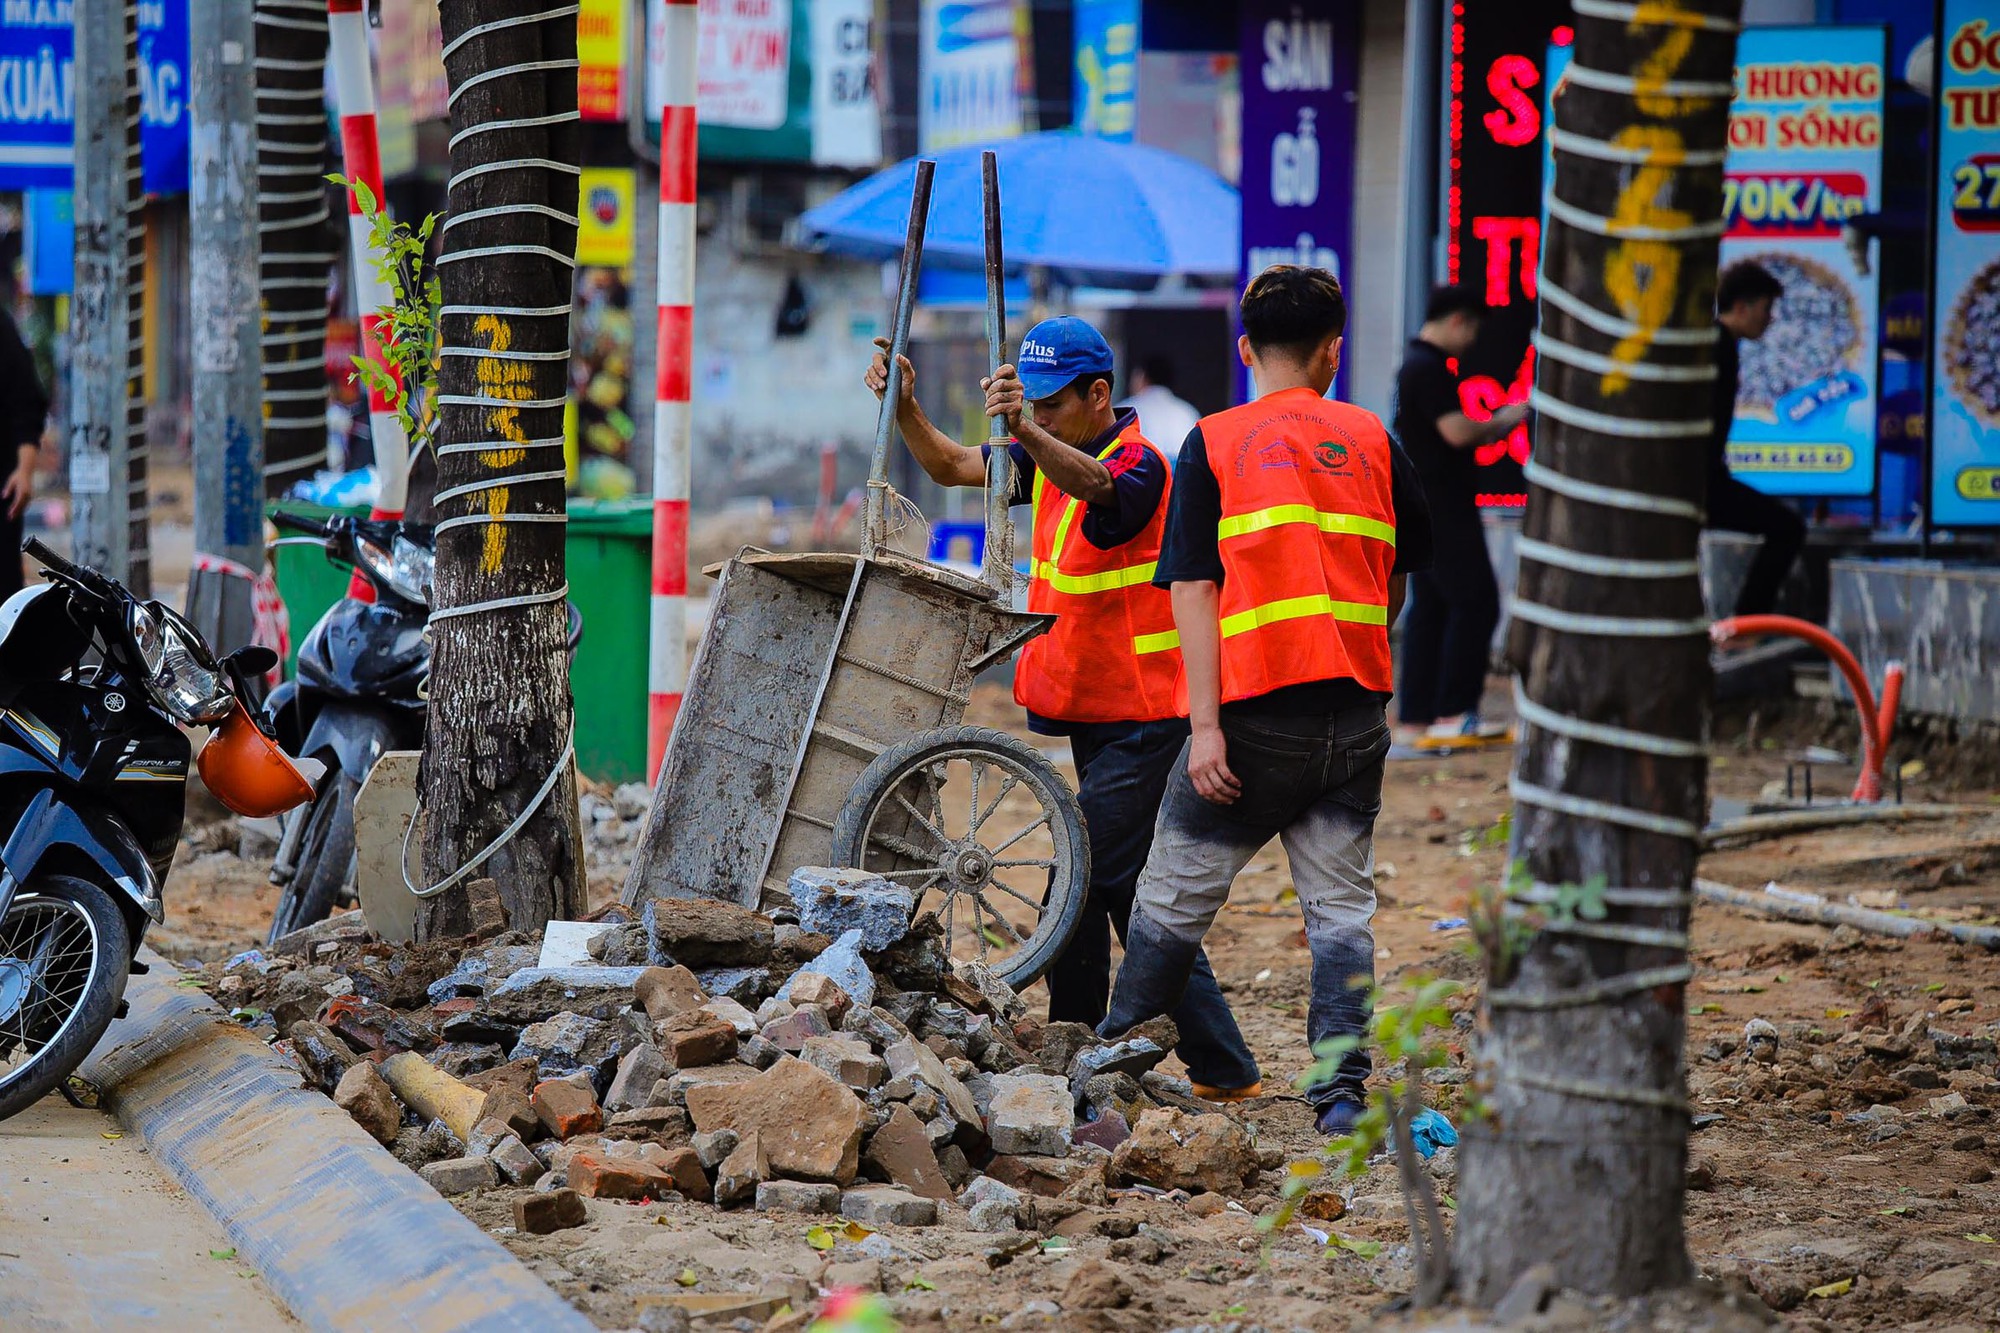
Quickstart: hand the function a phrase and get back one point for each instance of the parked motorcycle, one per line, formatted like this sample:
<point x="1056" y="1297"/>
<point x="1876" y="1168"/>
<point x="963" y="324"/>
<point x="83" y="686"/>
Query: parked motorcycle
<point x="95" y="686"/>
<point x="360" y="692"/>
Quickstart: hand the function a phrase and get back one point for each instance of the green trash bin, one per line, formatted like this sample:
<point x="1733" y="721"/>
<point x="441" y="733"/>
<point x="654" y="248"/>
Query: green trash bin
<point x="609" y="555"/>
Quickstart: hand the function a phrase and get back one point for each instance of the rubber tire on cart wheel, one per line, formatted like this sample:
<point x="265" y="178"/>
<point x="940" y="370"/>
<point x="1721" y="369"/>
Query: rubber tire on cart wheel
<point x="325" y="859"/>
<point x="1069" y="879"/>
<point x="111" y="950"/>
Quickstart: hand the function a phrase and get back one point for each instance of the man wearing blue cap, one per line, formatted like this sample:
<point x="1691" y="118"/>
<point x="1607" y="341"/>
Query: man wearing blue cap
<point x="1105" y="674"/>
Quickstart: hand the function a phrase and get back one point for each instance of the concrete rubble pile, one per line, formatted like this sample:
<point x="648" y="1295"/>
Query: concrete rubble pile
<point x="829" y="1060"/>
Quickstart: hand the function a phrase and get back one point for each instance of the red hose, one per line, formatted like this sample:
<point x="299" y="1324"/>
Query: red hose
<point x="1867" y="788"/>
<point x="1892" y="695"/>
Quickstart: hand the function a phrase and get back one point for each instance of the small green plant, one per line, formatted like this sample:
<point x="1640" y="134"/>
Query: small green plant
<point x="1412" y="1034"/>
<point x="409" y="330"/>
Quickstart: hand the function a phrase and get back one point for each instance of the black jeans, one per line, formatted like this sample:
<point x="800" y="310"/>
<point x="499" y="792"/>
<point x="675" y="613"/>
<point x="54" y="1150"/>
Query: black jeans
<point x="11" y="574"/>
<point x="1122" y="769"/>
<point x="1735" y="507"/>
<point x="1316" y="784"/>
<point x="1448" y="634"/>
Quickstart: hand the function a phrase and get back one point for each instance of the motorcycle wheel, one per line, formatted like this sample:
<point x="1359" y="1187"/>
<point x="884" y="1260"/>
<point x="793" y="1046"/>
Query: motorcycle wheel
<point x="325" y="860"/>
<point x="65" y="954"/>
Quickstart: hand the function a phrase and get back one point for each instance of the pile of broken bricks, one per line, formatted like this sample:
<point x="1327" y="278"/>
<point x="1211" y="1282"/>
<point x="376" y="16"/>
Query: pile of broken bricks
<point x="833" y="1060"/>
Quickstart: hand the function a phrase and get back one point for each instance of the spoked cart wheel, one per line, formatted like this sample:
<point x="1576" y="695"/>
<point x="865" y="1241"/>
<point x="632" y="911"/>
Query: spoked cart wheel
<point x="983" y="831"/>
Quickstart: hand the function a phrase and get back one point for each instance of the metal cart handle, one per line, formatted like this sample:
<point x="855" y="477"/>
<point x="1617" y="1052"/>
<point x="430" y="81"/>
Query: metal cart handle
<point x="998" y="565"/>
<point x="899" y="344"/>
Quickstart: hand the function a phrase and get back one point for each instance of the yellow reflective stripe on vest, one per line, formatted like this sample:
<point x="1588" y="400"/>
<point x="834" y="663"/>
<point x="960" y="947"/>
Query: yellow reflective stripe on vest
<point x="1297" y="608"/>
<point x="1109" y="581"/>
<point x="1163" y="642"/>
<point x="1081" y="584"/>
<point x="1353" y="525"/>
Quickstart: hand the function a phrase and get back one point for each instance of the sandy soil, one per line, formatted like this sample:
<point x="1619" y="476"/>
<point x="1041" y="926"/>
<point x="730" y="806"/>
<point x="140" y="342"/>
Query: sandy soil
<point x="1839" y="1161"/>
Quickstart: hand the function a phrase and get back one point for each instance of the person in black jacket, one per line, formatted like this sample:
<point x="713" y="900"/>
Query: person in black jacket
<point x="24" y="407"/>
<point x="1743" y="299"/>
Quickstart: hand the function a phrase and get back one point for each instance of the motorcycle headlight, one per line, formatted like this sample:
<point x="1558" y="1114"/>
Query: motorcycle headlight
<point x="144" y="627"/>
<point x="186" y="681"/>
<point x="406" y="567"/>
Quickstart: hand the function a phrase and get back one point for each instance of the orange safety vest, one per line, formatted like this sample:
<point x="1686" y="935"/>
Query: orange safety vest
<point x="1307" y="539"/>
<point x="1085" y="669"/>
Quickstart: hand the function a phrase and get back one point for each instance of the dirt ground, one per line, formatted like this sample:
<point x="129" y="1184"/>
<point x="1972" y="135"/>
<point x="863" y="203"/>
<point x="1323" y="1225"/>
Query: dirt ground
<point x="1858" y="1157"/>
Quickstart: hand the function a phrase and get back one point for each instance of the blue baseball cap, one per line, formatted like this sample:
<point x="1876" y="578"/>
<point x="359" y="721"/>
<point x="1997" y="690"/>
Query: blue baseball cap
<point x="1058" y="350"/>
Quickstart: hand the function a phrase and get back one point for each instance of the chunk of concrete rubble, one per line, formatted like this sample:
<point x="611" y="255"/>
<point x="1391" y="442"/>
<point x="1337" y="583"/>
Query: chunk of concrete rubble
<point x="567" y="1043"/>
<point x="900" y="1152"/>
<point x="1030" y="1115"/>
<point x="790" y="1032"/>
<point x="663" y="992"/>
<point x="809" y="1125"/>
<point x="664" y="1125"/>
<point x="363" y="1094"/>
<point x="745" y="985"/>
<point x="638" y="1070"/>
<point x="874" y="1025"/>
<point x="715" y="1146"/>
<point x="797" y="1196"/>
<point x="992" y="1215"/>
<point x="705" y="932"/>
<point x="534" y="993"/>
<point x="1107" y="1131"/>
<point x="684" y="1168"/>
<point x="833" y="901"/>
<point x="459" y="1058"/>
<point x="1096" y="1285"/>
<point x="518" y="1165"/>
<point x="733" y="1013"/>
<point x="567" y="943"/>
<point x="323" y="1056"/>
<point x="844" y="965"/>
<point x="1171" y="1149"/>
<point x="566" y="1108"/>
<point x="811" y="988"/>
<point x="557" y="1210"/>
<point x="886" y="1206"/>
<point x="996" y="993"/>
<point x="695" y="1038"/>
<point x="707" y="1076"/>
<point x="1050" y="1177"/>
<point x="597" y="1175"/>
<point x="460" y="1175"/>
<point x="758" y="1053"/>
<point x="911" y="1059"/>
<point x="847" y="1060"/>
<point x="1133" y="1057"/>
<point x="743" y="1171"/>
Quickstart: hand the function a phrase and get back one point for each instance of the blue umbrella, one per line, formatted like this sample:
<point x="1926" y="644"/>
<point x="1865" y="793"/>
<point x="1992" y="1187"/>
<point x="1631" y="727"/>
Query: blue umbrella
<point x="1093" y="210"/>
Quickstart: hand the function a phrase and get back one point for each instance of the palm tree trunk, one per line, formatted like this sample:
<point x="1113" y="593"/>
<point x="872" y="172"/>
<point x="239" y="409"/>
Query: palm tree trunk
<point x="1581" y="1163"/>
<point x="500" y="702"/>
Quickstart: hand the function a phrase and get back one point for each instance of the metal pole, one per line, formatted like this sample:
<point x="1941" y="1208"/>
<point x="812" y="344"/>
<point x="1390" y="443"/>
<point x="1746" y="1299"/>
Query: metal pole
<point x="354" y="90"/>
<point x="899" y="345"/>
<point x="101" y="330"/>
<point x="998" y="562"/>
<point x="223" y="281"/>
<point x="673" y="405"/>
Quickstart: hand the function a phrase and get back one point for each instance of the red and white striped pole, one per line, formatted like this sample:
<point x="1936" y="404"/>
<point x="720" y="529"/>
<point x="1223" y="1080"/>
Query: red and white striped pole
<point x="354" y="92"/>
<point x="673" y="414"/>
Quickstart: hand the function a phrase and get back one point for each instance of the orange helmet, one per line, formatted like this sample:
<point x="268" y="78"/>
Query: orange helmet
<point x="247" y="771"/>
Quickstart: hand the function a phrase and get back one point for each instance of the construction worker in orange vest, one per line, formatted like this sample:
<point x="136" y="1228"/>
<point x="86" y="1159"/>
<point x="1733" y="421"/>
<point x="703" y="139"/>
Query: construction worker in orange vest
<point x="1100" y="494"/>
<point x="1294" y="520"/>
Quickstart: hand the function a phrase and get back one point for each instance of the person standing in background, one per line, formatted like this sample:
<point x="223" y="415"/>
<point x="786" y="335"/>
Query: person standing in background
<point x="1164" y="415"/>
<point x="1744" y="298"/>
<point x="1455" y="605"/>
<point x="24" y="410"/>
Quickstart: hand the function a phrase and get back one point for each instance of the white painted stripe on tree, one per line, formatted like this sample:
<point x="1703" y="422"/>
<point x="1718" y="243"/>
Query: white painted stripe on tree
<point x="682" y="31"/>
<point x="676" y="257"/>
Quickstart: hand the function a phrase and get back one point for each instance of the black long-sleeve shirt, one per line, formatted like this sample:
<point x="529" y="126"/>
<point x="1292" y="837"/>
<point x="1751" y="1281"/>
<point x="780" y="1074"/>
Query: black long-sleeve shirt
<point x="24" y="404"/>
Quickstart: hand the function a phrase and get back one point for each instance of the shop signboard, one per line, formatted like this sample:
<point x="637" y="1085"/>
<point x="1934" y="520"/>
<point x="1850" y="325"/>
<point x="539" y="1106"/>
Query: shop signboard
<point x="1107" y="68"/>
<point x="604" y="234"/>
<point x="1805" y="155"/>
<point x="846" y="114"/>
<point x="1965" y="322"/>
<point x="37" y="95"/>
<point x="1299" y="77"/>
<point x="1499" y="83"/>
<point x="600" y="59"/>
<point x="968" y="73"/>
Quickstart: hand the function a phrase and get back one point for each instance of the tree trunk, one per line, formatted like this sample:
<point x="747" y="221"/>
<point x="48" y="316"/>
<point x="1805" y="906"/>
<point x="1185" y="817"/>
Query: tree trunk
<point x="298" y="245"/>
<point x="500" y="703"/>
<point x="1582" y="1162"/>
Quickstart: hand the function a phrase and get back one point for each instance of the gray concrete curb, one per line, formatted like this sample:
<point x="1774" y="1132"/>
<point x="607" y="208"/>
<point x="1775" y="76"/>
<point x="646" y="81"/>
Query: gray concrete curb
<point x="347" y="1237"/>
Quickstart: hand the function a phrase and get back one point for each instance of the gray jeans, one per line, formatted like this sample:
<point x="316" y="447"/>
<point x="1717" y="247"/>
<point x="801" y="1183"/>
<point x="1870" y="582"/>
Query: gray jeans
<point x="1314" y="783"/>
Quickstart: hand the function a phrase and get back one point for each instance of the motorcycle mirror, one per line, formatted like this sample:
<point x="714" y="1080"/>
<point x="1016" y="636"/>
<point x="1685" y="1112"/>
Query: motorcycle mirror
<point x="253" y="660"/>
